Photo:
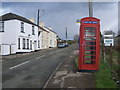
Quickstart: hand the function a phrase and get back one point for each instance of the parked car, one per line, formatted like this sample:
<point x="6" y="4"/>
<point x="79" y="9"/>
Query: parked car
<point x="61" y="45"/>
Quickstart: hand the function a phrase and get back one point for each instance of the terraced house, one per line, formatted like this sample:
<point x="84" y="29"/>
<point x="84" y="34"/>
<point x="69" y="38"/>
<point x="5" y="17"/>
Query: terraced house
<point x="18" y="34"/>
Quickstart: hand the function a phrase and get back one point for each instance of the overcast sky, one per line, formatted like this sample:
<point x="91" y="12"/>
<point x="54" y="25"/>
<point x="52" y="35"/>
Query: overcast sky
<point x="60" y="15"/>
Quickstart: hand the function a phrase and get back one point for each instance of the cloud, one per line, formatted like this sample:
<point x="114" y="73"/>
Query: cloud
<point x="5" y="10"/>
<point x="108" y="15"/>
<point x="61" y="15"/>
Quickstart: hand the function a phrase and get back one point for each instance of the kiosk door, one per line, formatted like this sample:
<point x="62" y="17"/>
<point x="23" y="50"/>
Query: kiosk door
<point x="89" y="48"/>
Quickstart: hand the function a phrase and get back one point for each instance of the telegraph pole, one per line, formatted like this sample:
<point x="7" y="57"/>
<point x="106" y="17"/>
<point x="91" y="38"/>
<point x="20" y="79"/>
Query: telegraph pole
<point x="91" y="15"/>
<point x="40" y="14"/>
<point x="66" y="33"/>
<point x="90" y="9"/>
<point x="38" y="17"/>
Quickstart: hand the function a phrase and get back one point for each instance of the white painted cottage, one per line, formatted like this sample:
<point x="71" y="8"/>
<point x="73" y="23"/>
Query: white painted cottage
<point x="52" y="42"/>
<point x="18" y="34"/>
<point x="49" y="37"/>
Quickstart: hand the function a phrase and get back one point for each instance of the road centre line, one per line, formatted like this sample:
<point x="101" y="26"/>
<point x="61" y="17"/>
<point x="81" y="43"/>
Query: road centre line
<point x="19" y="65"/>
<point x="40" y="57"/>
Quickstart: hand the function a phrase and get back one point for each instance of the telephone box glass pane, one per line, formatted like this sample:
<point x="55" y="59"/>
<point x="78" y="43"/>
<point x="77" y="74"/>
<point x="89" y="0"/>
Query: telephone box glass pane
<point x="90" y="52"/>
<point x="89" y="62"/>
<point x="89" y="29"/>
<point x="90" y="38"/>
<point x="90" y="34"/>
<point x="90" y="48"/>
<point x="90" y="43"/>
<point x="89" y="57"/>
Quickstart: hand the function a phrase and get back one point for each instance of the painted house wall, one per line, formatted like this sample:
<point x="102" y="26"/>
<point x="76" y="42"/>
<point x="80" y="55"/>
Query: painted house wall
<point x="49" y="38"/>
<point x="11" y="40"/>
<point x="8" y="41"/>
<point x="12" y="31"/>
<point x="55" y="40"/>
<point x="52" y="39"/>
<point x="27" y="35"/>
<point x="45" y="39"/>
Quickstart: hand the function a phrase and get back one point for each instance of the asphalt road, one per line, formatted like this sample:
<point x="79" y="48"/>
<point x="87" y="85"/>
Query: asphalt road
<point x="34" y="69"/>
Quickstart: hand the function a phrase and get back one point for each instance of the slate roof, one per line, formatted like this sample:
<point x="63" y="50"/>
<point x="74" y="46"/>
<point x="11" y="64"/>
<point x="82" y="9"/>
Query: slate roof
<point x="12" y="16"/>
<point x="51" y="30"/>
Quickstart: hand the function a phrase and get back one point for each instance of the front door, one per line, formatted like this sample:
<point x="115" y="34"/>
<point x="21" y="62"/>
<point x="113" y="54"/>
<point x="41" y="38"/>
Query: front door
<point x="35" y="45"/>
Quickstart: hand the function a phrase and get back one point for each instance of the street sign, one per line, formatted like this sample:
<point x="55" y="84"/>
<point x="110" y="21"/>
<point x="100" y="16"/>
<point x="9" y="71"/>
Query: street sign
<point x="108" y="42"/>
<point x="78" y="21"/>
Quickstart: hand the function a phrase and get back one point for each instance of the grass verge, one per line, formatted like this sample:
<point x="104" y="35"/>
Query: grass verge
<point x="104" y="77"/>
<point x="76" y="61"/>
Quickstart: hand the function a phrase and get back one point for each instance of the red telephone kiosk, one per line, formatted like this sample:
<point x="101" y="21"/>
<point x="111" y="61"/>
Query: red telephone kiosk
<point x="89" y="48"/>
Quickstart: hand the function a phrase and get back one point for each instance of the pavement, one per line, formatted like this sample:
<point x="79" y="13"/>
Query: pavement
<point x="67" y="76"/>
<point x="32" y="70"/>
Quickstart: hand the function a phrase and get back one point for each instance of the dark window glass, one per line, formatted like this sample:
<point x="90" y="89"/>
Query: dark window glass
<point x="27" y="43"/>
<point x="1" y="26"/>
<point x="22" y="27"/>
<point x="18" y="43"/>
<point x="33" y="30"/>
<point x="23" y="43"/>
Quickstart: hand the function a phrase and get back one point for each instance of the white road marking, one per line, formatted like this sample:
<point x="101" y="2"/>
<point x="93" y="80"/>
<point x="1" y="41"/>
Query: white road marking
<point x="19" y="65"/>
<point x="40" y="57"/>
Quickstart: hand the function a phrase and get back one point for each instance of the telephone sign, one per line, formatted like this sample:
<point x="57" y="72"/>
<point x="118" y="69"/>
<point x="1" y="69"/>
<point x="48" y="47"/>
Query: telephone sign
<point x="92" y="22"/>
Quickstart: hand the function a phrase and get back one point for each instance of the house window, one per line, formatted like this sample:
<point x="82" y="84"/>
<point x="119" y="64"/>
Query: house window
<point x="38" y="43"/>
<point x="1" y="26"/>
<point x="33" y="30"/>
<point x="50" y="42"/>
<point x="22" y="27"/>
<point x="18" y="43"/>
<point x="27" y="43"/>
<point x="31" y="44"/>
<point x="23" y="43"/>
